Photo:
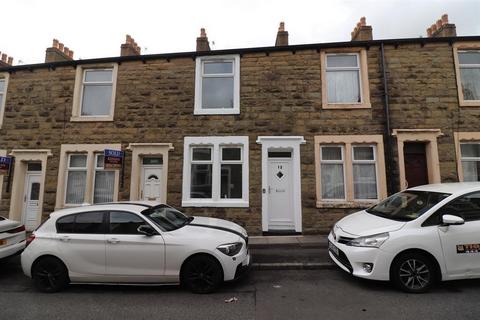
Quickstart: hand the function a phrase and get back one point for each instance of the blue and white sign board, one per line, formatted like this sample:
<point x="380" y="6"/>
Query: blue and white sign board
<point x="113" y="159"/>
<point x="5" y="163"/>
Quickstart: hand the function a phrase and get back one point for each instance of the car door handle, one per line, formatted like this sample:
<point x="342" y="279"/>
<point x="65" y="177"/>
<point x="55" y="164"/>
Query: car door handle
<point x="113" y="240"/>
<point x="64" y="238"/>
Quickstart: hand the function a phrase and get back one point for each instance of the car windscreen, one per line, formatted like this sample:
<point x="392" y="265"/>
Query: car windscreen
<point x="407" y="205"/>
<point x="167" y="218"/>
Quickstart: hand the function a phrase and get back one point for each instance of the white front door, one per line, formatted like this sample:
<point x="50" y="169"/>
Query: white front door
<point x="280" y="192"/>
<point x="31" y="206"/>
<point x="152" y="183"/>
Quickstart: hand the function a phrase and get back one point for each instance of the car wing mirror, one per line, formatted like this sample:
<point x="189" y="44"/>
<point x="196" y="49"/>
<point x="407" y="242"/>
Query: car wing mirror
<point x="146" y="230"/>
<point x="450" y="219"/>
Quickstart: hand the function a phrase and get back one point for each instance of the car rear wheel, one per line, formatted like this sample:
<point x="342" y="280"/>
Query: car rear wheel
<point x="50" y="275"/>
<point x="202" y="274"/>
<point x="413" y="272"/>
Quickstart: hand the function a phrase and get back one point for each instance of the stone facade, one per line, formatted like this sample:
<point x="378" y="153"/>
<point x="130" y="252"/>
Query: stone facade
<point x="280" y="95"/>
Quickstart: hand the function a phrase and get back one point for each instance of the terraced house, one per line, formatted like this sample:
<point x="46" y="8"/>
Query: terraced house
<point x="287" y="138"/>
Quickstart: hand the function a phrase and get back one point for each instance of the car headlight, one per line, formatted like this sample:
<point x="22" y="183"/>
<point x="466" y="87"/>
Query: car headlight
<point x="373" y="241"/>
<point x="230" y="249"/>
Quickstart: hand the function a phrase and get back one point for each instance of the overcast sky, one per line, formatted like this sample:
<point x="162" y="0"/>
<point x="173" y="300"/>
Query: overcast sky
<point x="96" y="28"/>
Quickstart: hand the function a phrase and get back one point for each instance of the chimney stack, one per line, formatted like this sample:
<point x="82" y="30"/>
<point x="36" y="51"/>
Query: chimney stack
<point x="130" y="47"/>
<point x="202" y="41"/>
<point x="5" y="60"/>
<point x="58" y="52"/>
<point x="442" y="28"/>
<point x="362" y="32"/>
<point x="282" y="36"/>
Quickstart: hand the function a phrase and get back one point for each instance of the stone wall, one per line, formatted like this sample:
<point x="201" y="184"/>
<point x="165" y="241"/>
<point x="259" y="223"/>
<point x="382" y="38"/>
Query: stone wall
<point x="280" y="94"/>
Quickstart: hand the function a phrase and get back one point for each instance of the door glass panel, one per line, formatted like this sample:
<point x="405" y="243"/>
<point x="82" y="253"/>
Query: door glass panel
<point x="34" y="166"/>
<point x="279" y="154"/>
<point x="125" y="223"/>
<point x="231" y="184"/>
<point x="152" y="160"/>
<point x="35" y="191"/>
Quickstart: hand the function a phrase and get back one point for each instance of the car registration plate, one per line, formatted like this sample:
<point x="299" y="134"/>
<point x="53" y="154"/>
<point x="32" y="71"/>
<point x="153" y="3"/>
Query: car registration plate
<point x="333" y="248"/>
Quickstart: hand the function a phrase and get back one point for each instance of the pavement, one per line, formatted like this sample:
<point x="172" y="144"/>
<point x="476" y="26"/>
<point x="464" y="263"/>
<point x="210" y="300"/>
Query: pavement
<point x="290" y="252"/>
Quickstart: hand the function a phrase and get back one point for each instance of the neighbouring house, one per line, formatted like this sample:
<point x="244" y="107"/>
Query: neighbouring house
<point x="287" y="138"/>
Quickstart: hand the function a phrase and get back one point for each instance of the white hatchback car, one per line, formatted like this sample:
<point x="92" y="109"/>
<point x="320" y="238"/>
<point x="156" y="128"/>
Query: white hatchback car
<point x="414" y="237"/>
<point x="12" y="237"/>
<point x="134" y="242"/>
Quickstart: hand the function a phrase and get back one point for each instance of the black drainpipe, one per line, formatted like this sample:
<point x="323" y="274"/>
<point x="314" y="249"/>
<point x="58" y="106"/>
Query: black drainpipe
<point x="391" y="181"/>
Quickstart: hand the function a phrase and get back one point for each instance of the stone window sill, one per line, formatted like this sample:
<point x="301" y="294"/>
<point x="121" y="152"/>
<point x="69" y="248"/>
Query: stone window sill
<point x="470" y="103"/>
<point x="91" y="119"/>
<point x="347" y="106"/>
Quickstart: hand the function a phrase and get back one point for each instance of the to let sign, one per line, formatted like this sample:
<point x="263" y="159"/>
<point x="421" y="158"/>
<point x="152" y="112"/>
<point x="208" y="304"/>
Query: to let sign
<point x="113" y="159"/>
<point x="5" y="163"/>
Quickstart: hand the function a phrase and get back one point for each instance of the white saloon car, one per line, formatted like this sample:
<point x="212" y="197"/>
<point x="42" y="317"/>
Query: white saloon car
<point x="136" y="243"/>
<point x="12" y="237"/>
<point x="414" y="237"/>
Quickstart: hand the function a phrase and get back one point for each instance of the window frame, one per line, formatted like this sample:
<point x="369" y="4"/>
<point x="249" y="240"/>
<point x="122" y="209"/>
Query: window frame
<point x="79" y="169"/>
<point x="364" y="85"/>
<point x="463" y="47"/>
<point x="217" y="144"/>
<point x="464" y="138"/>
<point x="342" y="162"/>
<point x="199" y="75"/>
<point x="335" y="69"/>
<point x="349" y="142"/>
<point x="374" y="162"/>
<point x="91" y="150"/>
<point x="81" y="73"/>
<point x="5" y="77"/>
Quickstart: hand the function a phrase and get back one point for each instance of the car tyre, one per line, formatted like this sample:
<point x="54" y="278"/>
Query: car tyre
<point x="50" y="275"/>
<point x="413" y="272"/>
<point x="202" y="274"/>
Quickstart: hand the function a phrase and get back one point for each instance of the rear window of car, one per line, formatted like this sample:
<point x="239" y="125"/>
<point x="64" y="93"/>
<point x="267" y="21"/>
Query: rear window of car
<point x="85" y="222"/>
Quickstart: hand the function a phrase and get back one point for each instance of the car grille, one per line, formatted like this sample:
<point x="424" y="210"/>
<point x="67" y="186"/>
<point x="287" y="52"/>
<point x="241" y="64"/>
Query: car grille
<point x="342" y="258"/>
<point x="344" y="240"/>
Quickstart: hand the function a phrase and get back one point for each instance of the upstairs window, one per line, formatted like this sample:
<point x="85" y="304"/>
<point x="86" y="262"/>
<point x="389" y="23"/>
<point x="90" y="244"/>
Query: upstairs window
<point x="97" y="92"/>
<point x="94" y="97"/>
<point x="343" y="78"/>
<point x="3" y="93"/>
<point x="217" y="89"/>
<point x="469" y="65"/>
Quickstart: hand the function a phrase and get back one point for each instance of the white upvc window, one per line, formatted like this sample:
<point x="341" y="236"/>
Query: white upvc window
<point x="104" y="182"/>
<point x="217" y="85"/>
<point x="470" y="156"/>
<point x="332" y="163"/>
<point x="76" y="179"/>
<point x="215" y="172"/>
<point x="469" y="64"/>
<point x="344" y="85"/>
<point x="97" y="91"/>
<point x="3" y="94"/>
<point x="364" y="162"/>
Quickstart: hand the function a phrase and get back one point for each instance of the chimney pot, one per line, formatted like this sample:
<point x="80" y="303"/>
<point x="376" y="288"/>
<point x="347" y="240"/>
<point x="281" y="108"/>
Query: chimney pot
<point x="444" y="18"/>
<point x="70" y="54"/>
<point x="4" y="57"/>
<point x="363" y="21"/>
<point x="65" y="50"/>
<point x="10" y="60"/>
<point x="433" y="27"/>
<point x="128" y="39"/>
<point x="282" y="26"/>
<point x="60" y="46"/>
<point x="429" y="32"/>
<point x="203" y="34"/>
<point x="362" y="32"/>
<point x="282" y="36"/>
<point x="439" y="24"/>
<point x="202" y="41"/>
<point x="55" y="43"/>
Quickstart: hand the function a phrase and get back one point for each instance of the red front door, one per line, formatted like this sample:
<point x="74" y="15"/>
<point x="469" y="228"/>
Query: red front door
<point x="416" y="172"/>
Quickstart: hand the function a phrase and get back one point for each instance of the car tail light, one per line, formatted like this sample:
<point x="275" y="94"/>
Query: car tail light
<point x="30" y="239"/>
<point x="16" y="230"/>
